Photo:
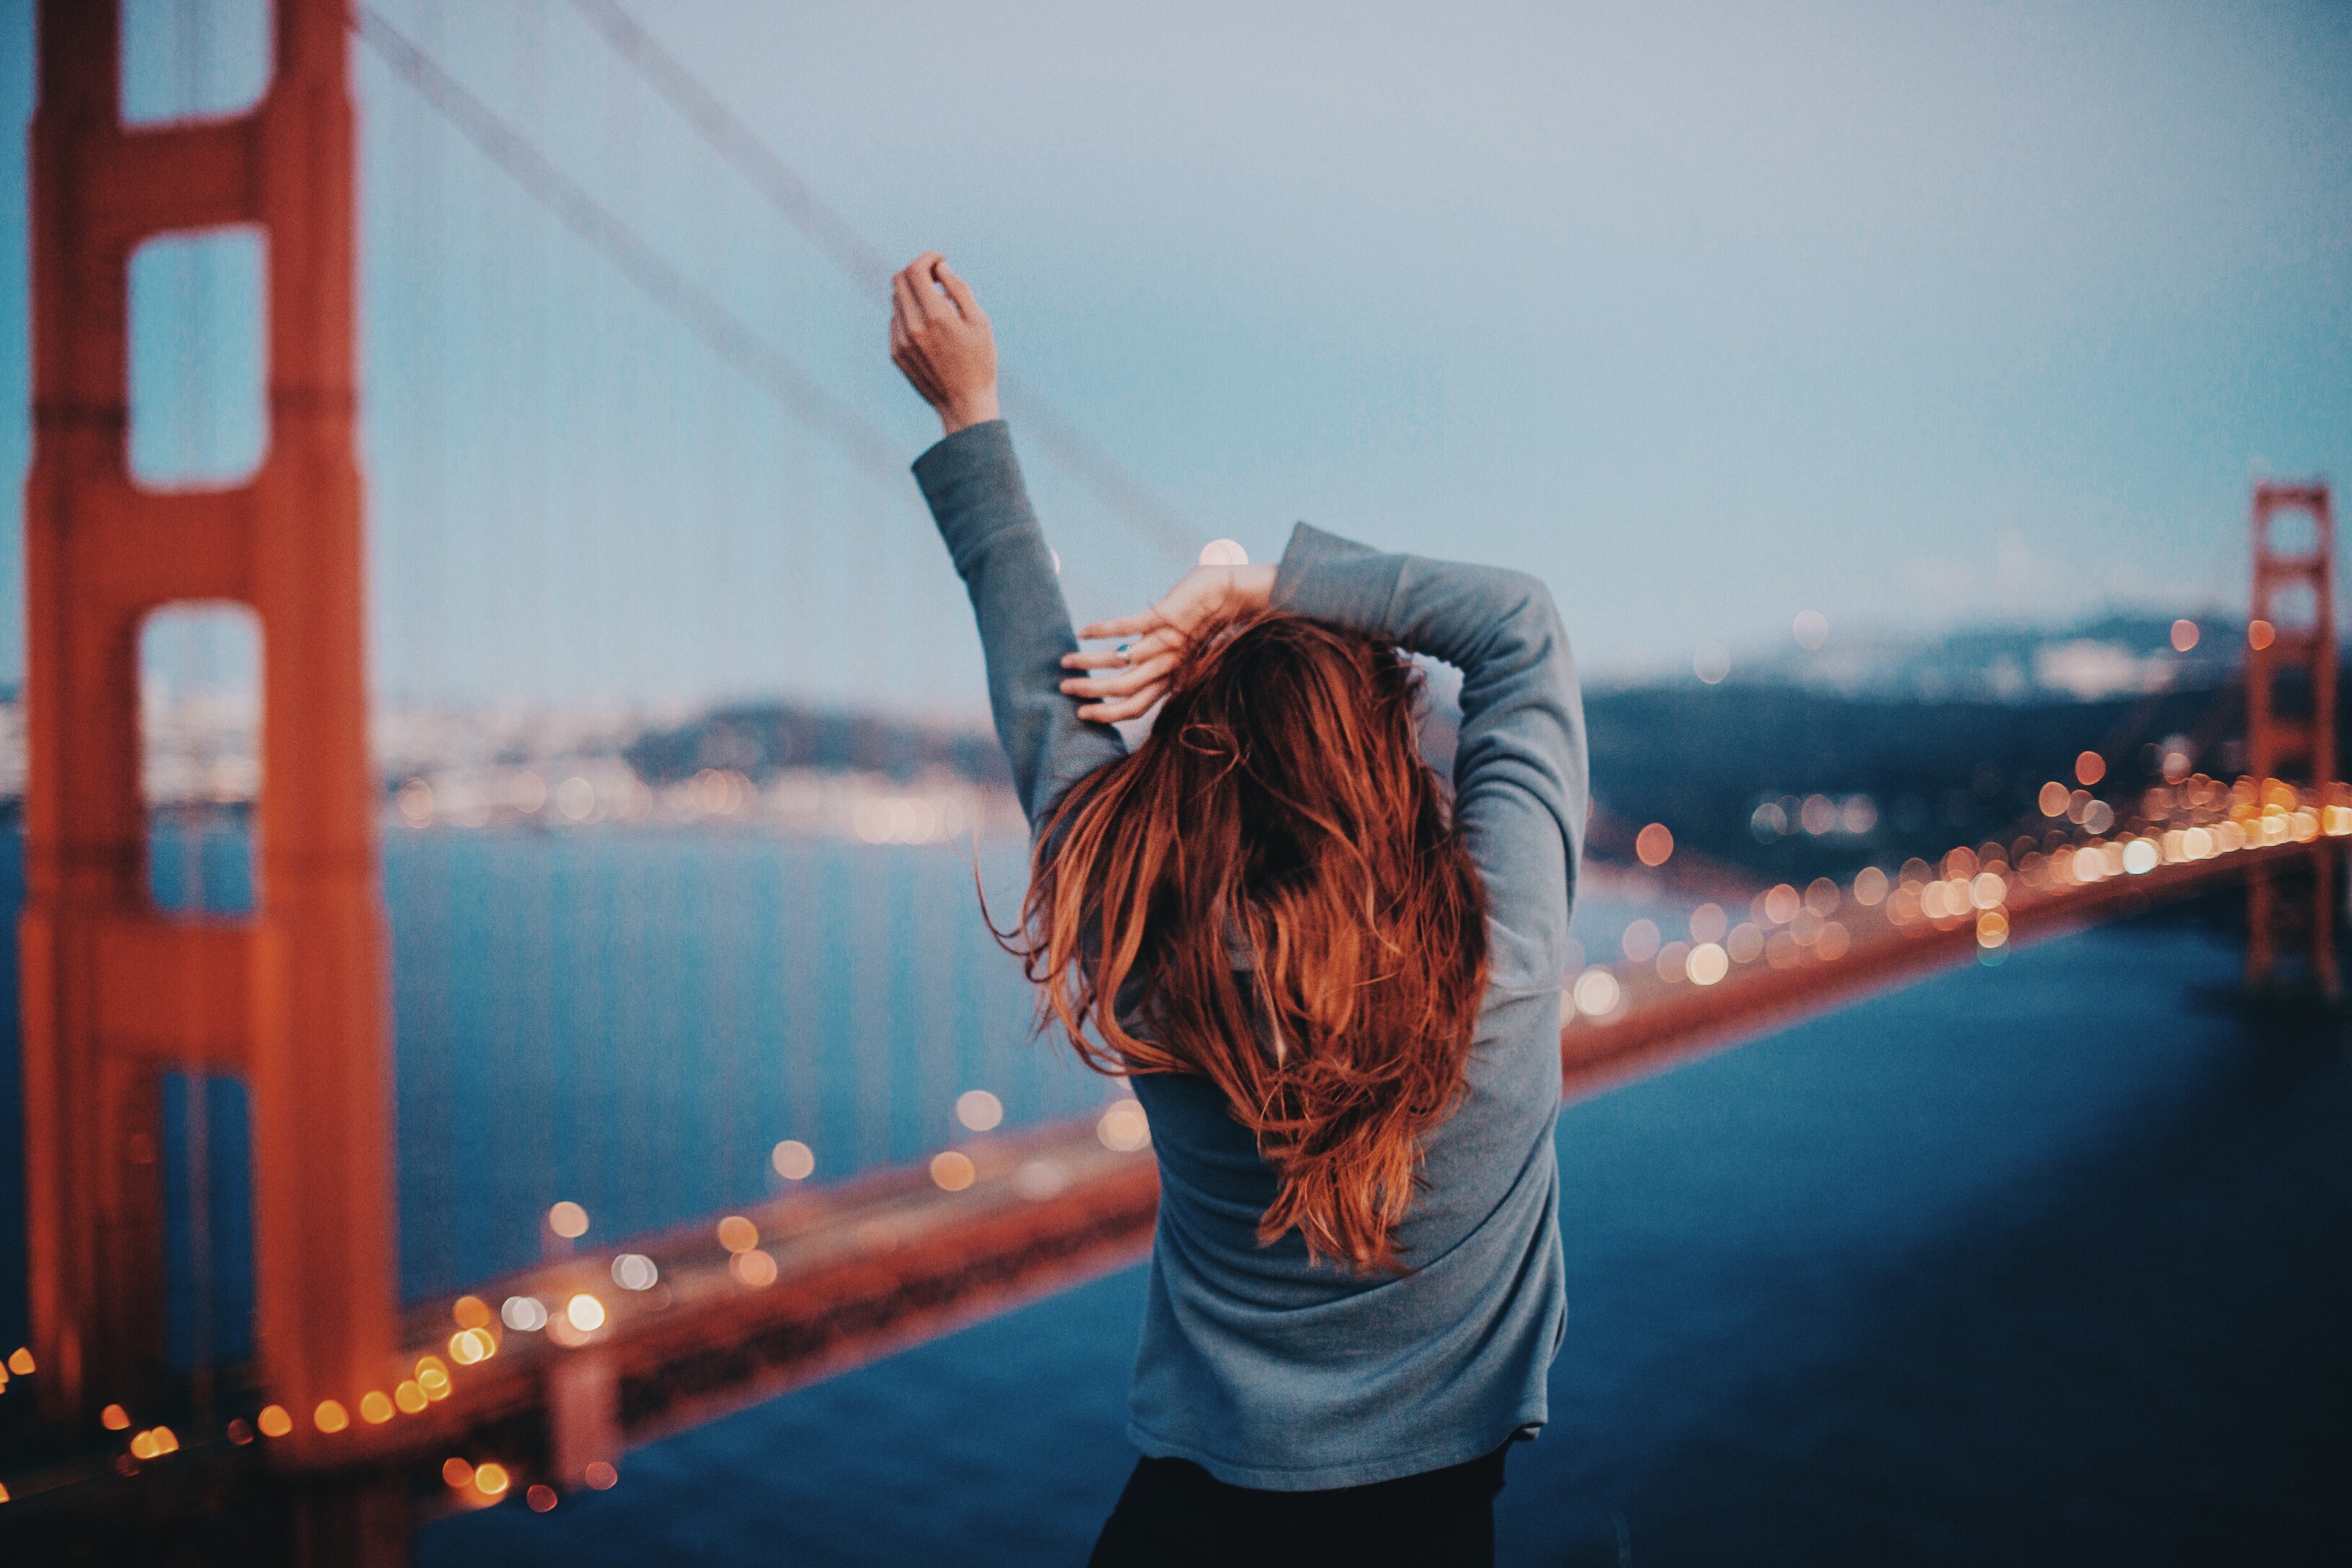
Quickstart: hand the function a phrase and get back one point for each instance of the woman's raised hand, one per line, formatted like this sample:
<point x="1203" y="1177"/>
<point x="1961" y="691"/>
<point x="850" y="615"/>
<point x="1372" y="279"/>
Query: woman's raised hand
<point x="940" y="342"/>
<point x="1156" y="640"/>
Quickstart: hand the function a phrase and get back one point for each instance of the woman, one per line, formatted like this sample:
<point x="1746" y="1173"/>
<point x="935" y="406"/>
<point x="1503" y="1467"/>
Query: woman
<point x="1337" y="998"/>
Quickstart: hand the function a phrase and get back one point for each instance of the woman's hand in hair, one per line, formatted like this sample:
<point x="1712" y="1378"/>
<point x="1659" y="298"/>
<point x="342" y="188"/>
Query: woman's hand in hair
<point x="1155" y="641"/>
<point x="940" y="342"/>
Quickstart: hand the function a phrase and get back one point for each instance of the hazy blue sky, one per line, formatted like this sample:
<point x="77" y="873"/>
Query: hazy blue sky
<point x="1706" y="314"/>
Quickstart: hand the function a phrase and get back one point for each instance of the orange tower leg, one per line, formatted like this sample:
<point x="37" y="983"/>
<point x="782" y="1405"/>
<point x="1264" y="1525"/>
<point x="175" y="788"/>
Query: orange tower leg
<point x="115" y="994"/>
<point x="2293" y="632"/>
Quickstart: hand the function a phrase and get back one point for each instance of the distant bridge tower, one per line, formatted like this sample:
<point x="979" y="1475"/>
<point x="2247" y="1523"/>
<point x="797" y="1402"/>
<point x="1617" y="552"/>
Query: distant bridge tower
<point x="2291" y="718"/>
<point x="116" y="993"/>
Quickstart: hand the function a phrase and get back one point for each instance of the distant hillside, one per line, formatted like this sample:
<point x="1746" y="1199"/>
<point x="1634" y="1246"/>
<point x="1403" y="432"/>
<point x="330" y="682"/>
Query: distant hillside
<point x="2113" y="655"/>
<point x="761" y="738"/>
<point x="1778" y="778"/>
<point x="1731" y="768"/>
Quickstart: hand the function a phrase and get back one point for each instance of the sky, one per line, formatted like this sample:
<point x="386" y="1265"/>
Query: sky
<point x="1707" y="315"/>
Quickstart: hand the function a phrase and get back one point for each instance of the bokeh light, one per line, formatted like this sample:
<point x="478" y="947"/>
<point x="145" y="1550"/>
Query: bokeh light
<point x="1123" y="1128"/>
<point x="568" y="1220"/>
<point x="755" y="1269"/>
<point x="1597" y="993"/>
<point x="794" y="1160"/>
<point x="1654" y="845"/>
<point x="978" y="1109"/>
<point x="952" y="1169"/>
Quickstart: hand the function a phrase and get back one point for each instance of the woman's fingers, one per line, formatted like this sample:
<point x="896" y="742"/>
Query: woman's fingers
<point x="966" y="302"/>
<point x="1150" y="672"/>
<point x="1124" y="626"/>
<point x="904" y="307"/>
<point x="1132" y="652"/>
<point x="1133" y="707"/>
<point x="936" y="307"/>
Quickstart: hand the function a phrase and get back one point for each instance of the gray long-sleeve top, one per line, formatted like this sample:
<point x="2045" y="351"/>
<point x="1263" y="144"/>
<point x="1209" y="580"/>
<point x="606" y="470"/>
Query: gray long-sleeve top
<point x="1268" y="1370"/>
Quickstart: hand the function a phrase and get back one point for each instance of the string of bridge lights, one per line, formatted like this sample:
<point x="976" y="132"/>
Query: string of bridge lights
<point x="583" y="1316"/>
<point x="2193" y="819"/>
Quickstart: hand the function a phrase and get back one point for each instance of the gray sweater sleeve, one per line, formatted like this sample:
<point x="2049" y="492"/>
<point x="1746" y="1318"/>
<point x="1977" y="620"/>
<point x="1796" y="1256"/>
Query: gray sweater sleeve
<point x="1519" y="786"/>
<point x="972" y="482"/>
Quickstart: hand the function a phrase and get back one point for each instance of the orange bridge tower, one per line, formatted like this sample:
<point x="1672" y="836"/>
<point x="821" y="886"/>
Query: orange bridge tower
<point x="2291" y="720"/>
<point x="116" y="995"/>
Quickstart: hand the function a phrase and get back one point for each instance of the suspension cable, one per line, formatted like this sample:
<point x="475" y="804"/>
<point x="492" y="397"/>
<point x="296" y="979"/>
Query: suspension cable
<point x="725" y="333"/>
<point x="840" y="242"/>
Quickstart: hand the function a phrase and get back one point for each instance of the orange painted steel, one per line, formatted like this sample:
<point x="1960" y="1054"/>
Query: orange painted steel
<point x="115" y="994"/>
<point x="2299" y="747"/>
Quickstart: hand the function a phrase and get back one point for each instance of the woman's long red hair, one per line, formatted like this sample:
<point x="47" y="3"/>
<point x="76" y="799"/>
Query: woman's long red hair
<point x="1269" y="892"/>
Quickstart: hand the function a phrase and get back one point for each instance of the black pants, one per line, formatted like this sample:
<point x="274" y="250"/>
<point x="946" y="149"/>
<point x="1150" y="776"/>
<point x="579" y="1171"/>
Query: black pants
<point x="1174" y="1514"/>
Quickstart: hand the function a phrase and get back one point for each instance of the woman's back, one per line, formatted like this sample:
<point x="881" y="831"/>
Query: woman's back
<point x="1268" y="1369"/>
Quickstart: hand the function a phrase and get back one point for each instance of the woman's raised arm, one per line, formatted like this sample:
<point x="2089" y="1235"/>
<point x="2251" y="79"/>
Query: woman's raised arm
<point x="1519" y="786"/>
<point x="940" y="338"/>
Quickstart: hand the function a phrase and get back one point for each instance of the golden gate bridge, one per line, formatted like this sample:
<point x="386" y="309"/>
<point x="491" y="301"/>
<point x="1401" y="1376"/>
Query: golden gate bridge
<point x="365" y="1402"/>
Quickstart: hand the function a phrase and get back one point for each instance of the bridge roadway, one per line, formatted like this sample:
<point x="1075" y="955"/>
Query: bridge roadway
<point x="818" y="1280"/>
